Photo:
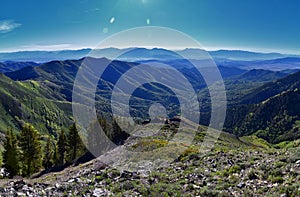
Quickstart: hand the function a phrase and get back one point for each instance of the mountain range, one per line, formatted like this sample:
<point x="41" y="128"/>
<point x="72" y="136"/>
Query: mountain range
<point x="256" y="149"/>
<point x="42" y="94"/>
<point x="135" y="54"/>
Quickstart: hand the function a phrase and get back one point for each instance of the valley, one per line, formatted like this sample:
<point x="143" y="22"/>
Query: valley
<point x="257" y="152"/>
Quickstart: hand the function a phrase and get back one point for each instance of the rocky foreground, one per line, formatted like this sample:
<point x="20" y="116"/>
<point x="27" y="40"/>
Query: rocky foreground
<point x="253" y="172"/>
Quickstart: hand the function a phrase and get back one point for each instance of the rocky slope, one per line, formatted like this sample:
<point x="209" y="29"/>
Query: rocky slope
<point x="234" y="167"/>
<point x="221" y="173"/>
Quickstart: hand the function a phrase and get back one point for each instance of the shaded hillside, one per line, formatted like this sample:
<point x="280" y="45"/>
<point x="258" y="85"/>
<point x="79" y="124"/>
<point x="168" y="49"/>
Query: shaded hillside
<point x="271" y="89"/>
<point x="275" y="119"/>
<point x="57" y="76"/>
<point x="9" y="66"/>
<point x="271" y="111"/>
<point x="260" y="75"/>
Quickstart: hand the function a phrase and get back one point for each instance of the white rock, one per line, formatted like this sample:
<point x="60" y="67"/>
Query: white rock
<point x="98" y="192"/>
<point x="21" y="194"/>
<point x="25" y="188"/>
<point x="57" y="185"/>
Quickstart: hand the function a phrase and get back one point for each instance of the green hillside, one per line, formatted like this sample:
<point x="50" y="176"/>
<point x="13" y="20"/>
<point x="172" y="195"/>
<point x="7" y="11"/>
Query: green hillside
<point x="272" y="112"/>
<point x="29" y="102"/>
<point x="253" y="107"/>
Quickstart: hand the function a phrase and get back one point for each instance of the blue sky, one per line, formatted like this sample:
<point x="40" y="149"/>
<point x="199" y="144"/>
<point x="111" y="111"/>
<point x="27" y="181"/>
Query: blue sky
<point x="259" y="25"/>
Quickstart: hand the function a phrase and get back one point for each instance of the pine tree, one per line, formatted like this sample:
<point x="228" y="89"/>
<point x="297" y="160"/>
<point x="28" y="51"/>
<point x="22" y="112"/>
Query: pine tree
<point x="55" y="155"/>
<point x="48" y="154"/>
<point x="61" y="147"/>
<point x="75" y="145"/>
<point x="31" y="151"/>
<point x="11" y="154"/>
<point x="97" y="139"/>
<point x="103" y="139"/>
<point x="118" y="136"/>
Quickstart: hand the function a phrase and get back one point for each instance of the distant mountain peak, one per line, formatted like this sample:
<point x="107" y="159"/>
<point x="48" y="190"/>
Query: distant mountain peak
<point x="139" y="53"/>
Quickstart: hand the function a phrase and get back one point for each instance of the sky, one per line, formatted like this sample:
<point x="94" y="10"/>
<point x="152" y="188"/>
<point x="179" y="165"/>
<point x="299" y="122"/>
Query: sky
<point x="256" y="25"/>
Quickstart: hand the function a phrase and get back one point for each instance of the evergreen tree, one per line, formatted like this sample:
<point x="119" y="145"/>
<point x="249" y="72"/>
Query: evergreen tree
<point x="56" y="160"/>
<point x="105" y="138"/>
<point x="97" y="139"/>
<point x="118" y="136"/>
<point x="31" y="151"/>
<point x="48" y="154"/>
<point x="11" y="154"/>
<point x="61" y="147"/>
<point x="75" y="145"/>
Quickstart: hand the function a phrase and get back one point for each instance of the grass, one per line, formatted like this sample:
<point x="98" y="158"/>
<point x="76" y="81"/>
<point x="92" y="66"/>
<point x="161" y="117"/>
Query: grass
<point x="256" y="141"/>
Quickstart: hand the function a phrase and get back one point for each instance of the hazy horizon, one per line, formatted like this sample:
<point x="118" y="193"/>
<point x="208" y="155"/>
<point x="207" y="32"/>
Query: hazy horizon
<point x="251" y="26"/>
<point x="154" y="47"/>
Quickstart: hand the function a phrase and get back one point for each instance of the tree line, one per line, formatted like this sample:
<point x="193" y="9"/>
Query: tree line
<point x="28" y="152"/>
